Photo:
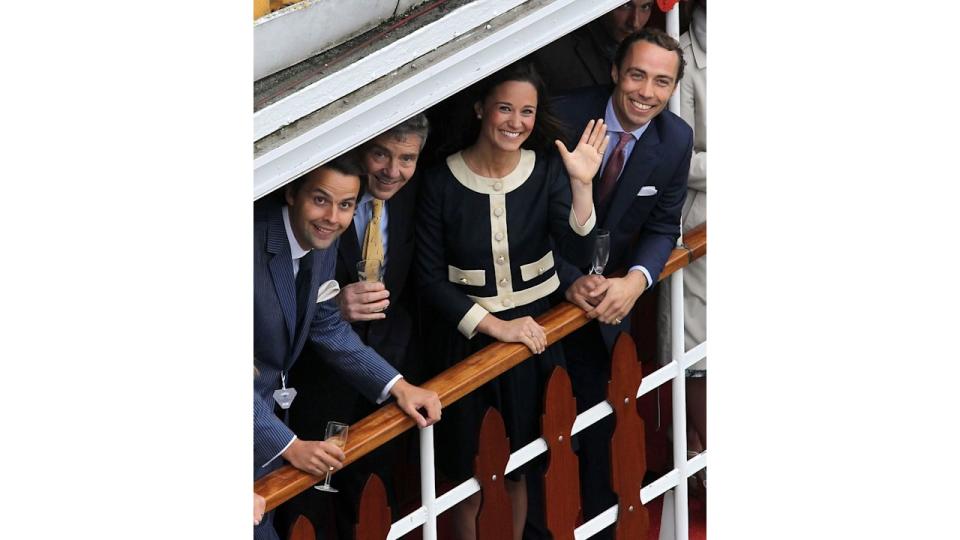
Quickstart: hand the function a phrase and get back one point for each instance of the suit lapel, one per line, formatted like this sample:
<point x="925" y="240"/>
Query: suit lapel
<point x="642" y="161"/>
<point x="349" y="252"/>
<point x="395" y="228"/>
<point x="281" y="271"/>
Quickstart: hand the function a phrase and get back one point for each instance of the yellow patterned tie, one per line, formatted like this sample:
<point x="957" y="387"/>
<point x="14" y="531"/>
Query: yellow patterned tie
<point x="372" y="241"/>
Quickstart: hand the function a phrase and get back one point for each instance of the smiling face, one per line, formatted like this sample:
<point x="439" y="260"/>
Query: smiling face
<point x="645" y="81"/>
<point x="390" y="162"/>
<point x="508" y="115"/>
<point x="322" y="208"/>
<point x="627" y="19"/>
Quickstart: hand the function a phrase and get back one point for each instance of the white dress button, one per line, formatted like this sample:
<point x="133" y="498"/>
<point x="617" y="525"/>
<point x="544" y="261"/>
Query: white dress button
<point x="498" y="237"/>
<point x="503" y="282"/>
<point x="501" y="259"/>
<point x="498" y="186"/>
<point x="498" y="211"/>
<point x="463" y="280"/>
<point x="507" y="303"/>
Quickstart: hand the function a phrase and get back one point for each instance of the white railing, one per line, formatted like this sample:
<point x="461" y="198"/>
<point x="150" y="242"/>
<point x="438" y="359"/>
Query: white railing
<point x="426" y="515"/>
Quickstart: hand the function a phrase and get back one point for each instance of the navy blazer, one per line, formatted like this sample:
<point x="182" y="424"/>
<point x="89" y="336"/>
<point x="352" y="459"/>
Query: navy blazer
<point x="287" y="318"/>
<point x="390" y="337"/>
<point x="644" y="226"/>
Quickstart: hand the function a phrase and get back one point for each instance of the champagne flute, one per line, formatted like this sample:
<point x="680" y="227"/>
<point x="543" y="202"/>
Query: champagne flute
<point x="337" y="435"/>
<point x="601" y="252"/>
<point x="370" y="270"/>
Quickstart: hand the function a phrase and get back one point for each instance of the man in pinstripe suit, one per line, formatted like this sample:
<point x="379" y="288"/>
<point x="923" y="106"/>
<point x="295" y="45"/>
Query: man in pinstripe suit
<point x="294" y="253"/>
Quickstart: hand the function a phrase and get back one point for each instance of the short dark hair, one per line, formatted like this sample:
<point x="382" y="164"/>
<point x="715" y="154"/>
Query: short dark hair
<point x="547" y="127"/>
<point x="344" y="164"/>
<point x="657" y="37"/>
<point x="415" y="125"/>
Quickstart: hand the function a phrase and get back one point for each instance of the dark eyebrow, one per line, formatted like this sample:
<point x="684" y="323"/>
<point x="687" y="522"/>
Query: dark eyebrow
<point x="326" y="194"/>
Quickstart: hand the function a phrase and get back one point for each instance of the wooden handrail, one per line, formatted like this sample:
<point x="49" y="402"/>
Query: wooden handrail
<point x="457" y="381"/>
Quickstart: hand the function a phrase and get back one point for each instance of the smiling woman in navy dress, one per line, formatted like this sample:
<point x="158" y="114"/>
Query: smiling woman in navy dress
<point x="489" y="221"/>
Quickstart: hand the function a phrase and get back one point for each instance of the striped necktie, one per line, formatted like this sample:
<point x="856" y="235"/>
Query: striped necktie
<point x="608" y="180"/>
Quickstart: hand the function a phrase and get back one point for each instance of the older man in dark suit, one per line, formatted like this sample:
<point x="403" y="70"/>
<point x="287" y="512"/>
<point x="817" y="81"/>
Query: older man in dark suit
<point x="640" y="191"/>
<point x="380" y="312"/>
<point x="293" y="270"/>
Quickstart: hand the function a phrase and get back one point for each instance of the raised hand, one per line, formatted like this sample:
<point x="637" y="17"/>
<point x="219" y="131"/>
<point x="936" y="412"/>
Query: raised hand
<point x="583" y="163"/>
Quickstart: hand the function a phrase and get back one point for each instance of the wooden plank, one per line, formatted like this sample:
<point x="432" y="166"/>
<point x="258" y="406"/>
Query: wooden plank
<point x="373" y="516"/>
<point x="628" y="461"/>
<point x="494" y="520"/>
<point x="695" y="241"/>
<point x="562" y="479"/>
<point x="454" y="383"/>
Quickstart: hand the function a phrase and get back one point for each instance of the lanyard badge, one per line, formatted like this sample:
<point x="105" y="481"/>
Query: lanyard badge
<point x="284" y="396"/>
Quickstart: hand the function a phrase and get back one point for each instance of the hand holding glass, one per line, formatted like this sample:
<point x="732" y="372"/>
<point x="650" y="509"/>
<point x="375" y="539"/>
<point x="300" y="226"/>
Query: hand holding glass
<point x="601" y="252"/>
<point x="370" y="270"/>
<point x="337" y="435"/>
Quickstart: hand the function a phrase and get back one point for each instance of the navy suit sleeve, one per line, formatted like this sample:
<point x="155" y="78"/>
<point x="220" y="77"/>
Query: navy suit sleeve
<point x="342" y="349"/>
<point x="662" y="227"/>
<point x="270" y="434"/>
<point x="431" y="259"/>
<point x="567" y="273"/>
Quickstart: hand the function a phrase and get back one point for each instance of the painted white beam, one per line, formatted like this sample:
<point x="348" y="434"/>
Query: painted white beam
<point x="598" y="523"/>
<point x="377" y="64"/>
<point x="297" y="32"/>
<point x="428" y="85"/>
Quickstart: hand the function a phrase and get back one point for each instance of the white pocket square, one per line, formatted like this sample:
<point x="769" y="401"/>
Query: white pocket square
<point x="328" y="290"/>
<point x="646" y="191"/>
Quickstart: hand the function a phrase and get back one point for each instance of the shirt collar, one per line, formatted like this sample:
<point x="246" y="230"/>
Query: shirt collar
<point x="365" y="198"/>
<point x="613" y="125"/>
<point x="296" y="252"/>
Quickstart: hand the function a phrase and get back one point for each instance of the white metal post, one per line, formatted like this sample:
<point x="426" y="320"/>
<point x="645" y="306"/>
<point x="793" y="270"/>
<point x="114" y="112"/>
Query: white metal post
<point x="428" y="490"/>
<point x="677" y="347"/>
<point x="673" y="28"/>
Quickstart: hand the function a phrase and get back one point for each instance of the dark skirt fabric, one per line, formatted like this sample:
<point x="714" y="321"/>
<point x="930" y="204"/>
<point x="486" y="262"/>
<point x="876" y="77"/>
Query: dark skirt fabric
<point x="517" y="394"/>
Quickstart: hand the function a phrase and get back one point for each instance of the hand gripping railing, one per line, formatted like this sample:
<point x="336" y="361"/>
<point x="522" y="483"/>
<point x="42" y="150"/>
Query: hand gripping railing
<point x="475" y="371"/>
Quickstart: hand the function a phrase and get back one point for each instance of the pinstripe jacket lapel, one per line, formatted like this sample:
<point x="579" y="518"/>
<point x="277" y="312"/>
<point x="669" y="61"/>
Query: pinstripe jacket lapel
<point x="281" y="270"/>
<point x="307" y="298"/>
